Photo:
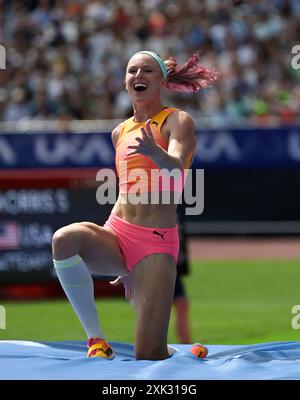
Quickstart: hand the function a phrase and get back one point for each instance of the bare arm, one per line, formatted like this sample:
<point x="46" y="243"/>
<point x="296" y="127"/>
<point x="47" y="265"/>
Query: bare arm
<point x="182" y="142"/>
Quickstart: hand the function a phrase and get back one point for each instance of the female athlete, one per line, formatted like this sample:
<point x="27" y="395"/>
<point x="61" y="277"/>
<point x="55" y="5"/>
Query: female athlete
<point x="139" y="241"/>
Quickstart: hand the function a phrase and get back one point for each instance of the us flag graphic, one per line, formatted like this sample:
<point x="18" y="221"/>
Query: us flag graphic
<point x="9" y="236"/>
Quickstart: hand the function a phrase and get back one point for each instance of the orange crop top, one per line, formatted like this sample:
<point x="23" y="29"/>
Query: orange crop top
<point x="138" y="173"/>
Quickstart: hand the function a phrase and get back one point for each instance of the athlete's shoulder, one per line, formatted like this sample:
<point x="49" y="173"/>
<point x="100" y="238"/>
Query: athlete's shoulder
<point x="181" y="118"/>
<point x="116" y="133"/>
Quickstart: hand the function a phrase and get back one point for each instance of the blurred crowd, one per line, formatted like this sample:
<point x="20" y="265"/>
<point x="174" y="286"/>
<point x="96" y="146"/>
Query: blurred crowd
<point x="66" y="59"/>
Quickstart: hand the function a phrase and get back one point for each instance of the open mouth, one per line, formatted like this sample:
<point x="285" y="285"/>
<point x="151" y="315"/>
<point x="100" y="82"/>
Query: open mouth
<point x="139" y="87"/>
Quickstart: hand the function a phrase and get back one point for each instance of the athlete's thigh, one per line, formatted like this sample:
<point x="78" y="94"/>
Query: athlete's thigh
<point x="153" y="285"/>
<point x="101" y="251"/>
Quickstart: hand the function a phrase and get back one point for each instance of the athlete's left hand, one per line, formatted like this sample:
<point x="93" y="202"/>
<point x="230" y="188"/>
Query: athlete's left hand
<point x="146" y="144"/>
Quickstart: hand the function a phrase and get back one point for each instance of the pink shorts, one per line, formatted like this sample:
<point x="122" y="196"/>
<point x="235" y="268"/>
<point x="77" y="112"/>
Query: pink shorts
<point x="137" y="242"/>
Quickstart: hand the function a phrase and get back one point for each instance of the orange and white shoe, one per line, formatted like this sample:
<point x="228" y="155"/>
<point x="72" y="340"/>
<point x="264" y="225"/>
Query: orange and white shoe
<point x="199" y="350"/>
<point x="99" y="348"/>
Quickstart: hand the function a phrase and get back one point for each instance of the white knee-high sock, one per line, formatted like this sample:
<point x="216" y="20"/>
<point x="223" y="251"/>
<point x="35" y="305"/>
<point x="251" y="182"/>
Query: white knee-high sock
<point x="77" y="283"/>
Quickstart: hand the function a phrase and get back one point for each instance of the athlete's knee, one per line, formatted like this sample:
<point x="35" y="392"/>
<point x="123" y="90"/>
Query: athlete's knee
<point x="150" y="353"/>
<point x="60" y="239"/>
<point x="67" y="240"/>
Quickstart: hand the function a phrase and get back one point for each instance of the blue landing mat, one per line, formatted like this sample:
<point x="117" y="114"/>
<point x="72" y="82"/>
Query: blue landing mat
<point x="25" y="360"/>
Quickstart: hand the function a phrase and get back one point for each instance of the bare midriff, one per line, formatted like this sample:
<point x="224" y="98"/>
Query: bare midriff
<point x="149" y="215"/>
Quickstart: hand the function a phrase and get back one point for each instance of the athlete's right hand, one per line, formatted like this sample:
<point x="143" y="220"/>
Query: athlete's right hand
<point x="127" y="282"/>
<point x="146" y="144"/>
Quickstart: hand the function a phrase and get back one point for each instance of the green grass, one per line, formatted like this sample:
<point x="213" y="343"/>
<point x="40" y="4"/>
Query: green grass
<point x="231" y="302"/>
<point x="244" y="302"/>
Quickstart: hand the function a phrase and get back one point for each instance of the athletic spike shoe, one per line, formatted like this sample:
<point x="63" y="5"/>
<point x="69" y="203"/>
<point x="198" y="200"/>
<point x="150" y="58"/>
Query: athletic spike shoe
<point x="198" y="350"/>
<point x="99" y="348"/>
